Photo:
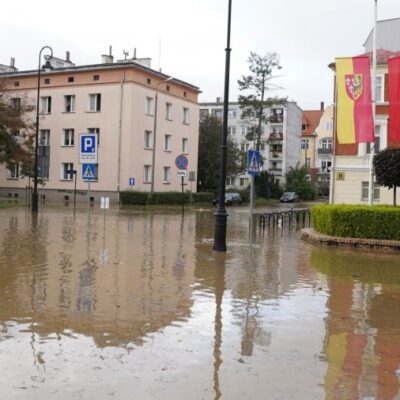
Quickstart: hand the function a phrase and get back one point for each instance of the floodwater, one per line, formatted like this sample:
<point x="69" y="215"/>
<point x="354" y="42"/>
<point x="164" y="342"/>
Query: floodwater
<point x="136" y="305"/>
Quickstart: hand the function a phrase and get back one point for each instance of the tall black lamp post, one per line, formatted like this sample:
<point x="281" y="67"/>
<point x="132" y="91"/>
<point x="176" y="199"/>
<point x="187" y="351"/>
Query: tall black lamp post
<point x="35" y="196"/>
<point x="221" y="215"/>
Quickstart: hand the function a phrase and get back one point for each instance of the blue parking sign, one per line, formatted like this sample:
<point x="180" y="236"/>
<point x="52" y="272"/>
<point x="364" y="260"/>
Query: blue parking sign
<point x="88" y="148"/>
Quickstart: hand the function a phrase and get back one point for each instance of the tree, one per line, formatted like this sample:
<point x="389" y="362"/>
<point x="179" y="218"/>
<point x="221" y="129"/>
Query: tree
<point x="296" y="181"/>
<point x="15" y="128"/>
<point x="262" y="72"/>
<point x="210" y="153"/>
<point x="387" y="167"/>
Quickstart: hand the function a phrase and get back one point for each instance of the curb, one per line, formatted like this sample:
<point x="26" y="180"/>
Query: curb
<point x="310" y="235"/>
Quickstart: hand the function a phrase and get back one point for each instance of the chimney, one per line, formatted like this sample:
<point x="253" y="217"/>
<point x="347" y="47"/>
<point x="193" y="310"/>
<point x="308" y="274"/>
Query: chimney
<point x="107" y="58"/>
<point x="219" y="100"/>
<point x="68" y="56"/>
<point x="12" y="62"/>
<point x="322" y="106"/>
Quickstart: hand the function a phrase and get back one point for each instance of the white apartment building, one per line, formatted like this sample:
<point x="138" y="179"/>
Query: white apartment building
<point x="143" y="119"/>
<point x="280" y="141"/>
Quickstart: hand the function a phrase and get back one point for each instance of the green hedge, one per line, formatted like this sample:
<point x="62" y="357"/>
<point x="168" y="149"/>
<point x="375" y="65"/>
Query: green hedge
<point x="145" y="198"/>
<point x="377" y="222"/>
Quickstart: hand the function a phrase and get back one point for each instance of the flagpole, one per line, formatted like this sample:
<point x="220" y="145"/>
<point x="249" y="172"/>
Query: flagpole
<point x="372" y="153"/>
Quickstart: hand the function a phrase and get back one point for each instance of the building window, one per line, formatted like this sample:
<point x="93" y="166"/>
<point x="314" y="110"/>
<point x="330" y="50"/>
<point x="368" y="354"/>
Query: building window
<point x="168" y="88"/>
<point x="68" y="137"/>
<point x="44" y="137"/>
<point x="377" y="140"/>
<point x="45" y="105"/>
<point x="231" y="130"/>
<point x="95" y="102"/>
<point x="148" y="139"/>
<point x="97" y="132"/>
<point x="379" y="89"/>
<point x="329" y="125"/>
<point x="167" y="175"/>
<point x="149" y="105"/>
<point x="167" y="143"/>
<point x="307" y="162"/>
<point x="66" y="169"/>
<point x="69" y="103"/>
<point x="71" y="79"/>
<point x="147" y="174"/>
<point x="326" y="144"/>
<point x="218" y="113"/>
<point x="305" y="144"/>
<point x="230" y="181"/>
<point x="168" y="111"/>
<point x="47" y="81"/>
<point x="185" y="145"/>
<point x="244" y="182"/>
<point x="185" y="115"/>
<point x="16" y="83"/>
<point x="365" y="191"/>
<point x="244" y="147"/>
<point x="232" y="114"/>
<point x="16" y="103"/>
<point x="326" y="166"/>
<point x="148" y="81"/>
<point x="96" y="77"/>
<point x="243" y="130"/>
<point x="184" y="94"/>
<point x="13" y="171"/>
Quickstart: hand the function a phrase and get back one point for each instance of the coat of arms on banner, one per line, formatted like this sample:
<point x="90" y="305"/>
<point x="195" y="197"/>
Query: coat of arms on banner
<point x="354" y="85"/>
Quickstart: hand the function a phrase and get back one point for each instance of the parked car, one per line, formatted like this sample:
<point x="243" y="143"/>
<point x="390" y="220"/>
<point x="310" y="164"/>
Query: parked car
<point x="290" y="197"/>
<point x="230" y="199"/>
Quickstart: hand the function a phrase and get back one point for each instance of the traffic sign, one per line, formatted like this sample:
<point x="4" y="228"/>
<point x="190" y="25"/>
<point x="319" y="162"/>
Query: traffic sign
<point x="89" y="172"/>
<point x="88" y="148"/>
<point x="181" y="161"/>
<point x="181" y="173"/>
<point x="253" y="162"/>
<point x="131" y="181"/>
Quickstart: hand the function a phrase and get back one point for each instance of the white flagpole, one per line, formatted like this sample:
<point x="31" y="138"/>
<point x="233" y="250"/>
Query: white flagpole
<point x="373" y="78"/>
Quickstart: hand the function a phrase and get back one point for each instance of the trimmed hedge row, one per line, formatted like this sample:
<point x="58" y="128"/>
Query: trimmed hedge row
<point x="376" y="222"/>
<point x="146" y="198"/>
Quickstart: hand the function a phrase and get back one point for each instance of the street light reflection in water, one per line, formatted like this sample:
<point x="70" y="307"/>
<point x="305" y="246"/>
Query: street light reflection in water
<point x="163" y="316"/>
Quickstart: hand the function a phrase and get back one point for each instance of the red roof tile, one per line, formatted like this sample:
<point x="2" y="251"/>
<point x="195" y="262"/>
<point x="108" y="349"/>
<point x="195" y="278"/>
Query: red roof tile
<point x="311" y="120"/>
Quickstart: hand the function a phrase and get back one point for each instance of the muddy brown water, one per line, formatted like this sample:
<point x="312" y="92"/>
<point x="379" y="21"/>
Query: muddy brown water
<point x="136" y="305"/>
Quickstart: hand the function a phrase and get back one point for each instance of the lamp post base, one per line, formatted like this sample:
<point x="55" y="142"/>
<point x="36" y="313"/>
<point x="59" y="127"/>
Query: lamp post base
<point x="35" y="201"/>
<point x="221" y="217"/>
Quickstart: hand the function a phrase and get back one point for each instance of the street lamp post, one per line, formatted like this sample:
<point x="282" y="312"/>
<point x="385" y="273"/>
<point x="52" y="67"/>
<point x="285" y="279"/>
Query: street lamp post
<point x="35" y="196"/>
<point x="155" y="133"/>
<point x="74" y="173"/>
<point x="221" y="215"/>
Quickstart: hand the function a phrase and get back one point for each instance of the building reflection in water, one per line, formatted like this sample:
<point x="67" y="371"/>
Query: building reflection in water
<point x="53" y="274"/>
<point x="362" y="342"/>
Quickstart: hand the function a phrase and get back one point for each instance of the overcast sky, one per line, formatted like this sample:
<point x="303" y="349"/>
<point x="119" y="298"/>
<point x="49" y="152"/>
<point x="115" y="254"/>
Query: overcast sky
<point x="187" y="38"/>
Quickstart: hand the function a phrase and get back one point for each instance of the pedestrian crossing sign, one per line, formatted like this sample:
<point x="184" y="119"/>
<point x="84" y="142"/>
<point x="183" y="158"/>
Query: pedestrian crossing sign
<point x="253" y="162"/>
<point x="89" y="172"/>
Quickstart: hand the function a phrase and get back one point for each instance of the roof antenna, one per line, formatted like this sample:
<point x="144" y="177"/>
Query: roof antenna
<point x="126" y="54"/>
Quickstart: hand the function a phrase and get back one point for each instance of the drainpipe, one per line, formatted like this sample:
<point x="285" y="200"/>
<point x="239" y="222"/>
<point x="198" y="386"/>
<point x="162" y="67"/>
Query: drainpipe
<point x="121" y="101"/>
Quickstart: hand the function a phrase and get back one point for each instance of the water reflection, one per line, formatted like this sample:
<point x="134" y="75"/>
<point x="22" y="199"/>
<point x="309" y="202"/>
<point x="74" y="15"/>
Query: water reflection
<point x="140" y="298"/>
<point x="362" y="342"/>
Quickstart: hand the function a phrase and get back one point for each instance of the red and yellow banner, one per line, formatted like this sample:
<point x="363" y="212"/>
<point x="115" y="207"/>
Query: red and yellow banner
<point x="354" y="107"/>
<point x="394" y="98"/>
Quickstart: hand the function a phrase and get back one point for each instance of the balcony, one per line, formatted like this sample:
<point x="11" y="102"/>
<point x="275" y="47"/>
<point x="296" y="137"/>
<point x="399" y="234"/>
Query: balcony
<point x="275" y="138"/>
<point x="276" y="119"/>
<point x="325" y="151"/>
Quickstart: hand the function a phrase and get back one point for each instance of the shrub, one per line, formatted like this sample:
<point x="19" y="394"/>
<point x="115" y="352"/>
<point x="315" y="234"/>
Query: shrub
<point x="377" y="222"/>
<point x="143" y="198"/>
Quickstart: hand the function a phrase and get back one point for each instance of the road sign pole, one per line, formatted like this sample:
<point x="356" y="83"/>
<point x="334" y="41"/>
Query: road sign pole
<point x="183" y="201"/>
<point x="252" y="180"/>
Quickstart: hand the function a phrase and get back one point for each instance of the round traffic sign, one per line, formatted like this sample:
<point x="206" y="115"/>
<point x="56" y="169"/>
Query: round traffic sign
<point x="181" y="161"/>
